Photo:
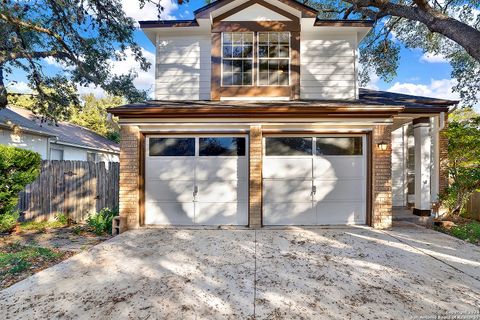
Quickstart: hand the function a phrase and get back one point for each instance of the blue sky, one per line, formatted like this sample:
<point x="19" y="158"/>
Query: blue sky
<point x="417" y="74"/>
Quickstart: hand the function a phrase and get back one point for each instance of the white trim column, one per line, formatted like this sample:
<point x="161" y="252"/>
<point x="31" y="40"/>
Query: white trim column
<point x="423" y="160"/>
<point x="435" y="170"/>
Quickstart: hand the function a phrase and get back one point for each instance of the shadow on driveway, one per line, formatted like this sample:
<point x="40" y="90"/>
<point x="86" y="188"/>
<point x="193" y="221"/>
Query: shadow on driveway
<point x="296" y="273"/>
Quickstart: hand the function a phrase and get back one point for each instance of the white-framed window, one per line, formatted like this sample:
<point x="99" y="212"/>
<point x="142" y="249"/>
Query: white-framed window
<point x="274" y="58"/>
<point x="237" y="58"/>
<point x="56" y="154"/>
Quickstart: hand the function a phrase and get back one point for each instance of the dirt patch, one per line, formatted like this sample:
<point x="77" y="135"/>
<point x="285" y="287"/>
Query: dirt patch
<point x="27" y="252"/>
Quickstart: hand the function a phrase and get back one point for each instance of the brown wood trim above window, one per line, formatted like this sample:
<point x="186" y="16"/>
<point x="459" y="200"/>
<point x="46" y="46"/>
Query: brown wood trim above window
<point x="249" y="26"/>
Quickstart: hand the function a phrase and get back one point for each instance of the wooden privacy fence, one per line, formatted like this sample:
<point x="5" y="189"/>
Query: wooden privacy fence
<point x="74" y="188"/>
<point x="473" y="206"/>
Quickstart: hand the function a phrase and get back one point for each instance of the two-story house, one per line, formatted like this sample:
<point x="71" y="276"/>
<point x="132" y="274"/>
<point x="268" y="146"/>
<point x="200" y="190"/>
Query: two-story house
<point x="259" y="120"/>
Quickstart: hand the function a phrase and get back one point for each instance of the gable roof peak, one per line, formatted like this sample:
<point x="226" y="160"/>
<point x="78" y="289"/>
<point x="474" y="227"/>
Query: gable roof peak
<point x="206" y="11"/>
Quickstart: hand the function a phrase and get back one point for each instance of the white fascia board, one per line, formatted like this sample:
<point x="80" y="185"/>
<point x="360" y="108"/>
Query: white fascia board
<point x="85" y="147"/>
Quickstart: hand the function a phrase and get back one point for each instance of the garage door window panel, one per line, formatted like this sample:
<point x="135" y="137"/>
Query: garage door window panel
<point x="214" y="147"/>
<point x="172" y="147"/>
<point x="288" y="146"/>
<point x="339" y="146"/>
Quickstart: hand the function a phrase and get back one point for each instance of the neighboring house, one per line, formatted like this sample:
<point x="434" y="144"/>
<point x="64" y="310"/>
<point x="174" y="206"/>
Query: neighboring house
<point x="259" y="121"/>
<point x="64" y="141"/>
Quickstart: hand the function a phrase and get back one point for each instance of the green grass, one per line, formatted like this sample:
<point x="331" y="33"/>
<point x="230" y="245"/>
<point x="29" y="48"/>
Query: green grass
<point x="40" y="226"/>
<point x="16" y="258"/>
<point x="469" y="232"/>
<point x="60" y="221"/>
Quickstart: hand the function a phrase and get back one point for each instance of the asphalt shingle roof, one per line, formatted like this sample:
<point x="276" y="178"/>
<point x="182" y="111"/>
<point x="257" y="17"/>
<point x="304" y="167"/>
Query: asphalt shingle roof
<point x="64" y="131"/>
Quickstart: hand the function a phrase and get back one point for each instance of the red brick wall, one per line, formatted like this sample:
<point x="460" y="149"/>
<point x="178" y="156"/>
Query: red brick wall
<point x="129" y="177"/>
<point x="443" y="157"/>
<point x="255" y="183"/>
<point x="381" y="178"/>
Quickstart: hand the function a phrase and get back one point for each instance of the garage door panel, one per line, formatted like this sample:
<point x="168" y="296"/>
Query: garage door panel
<point x="227" y="213"/>
<point x="287" y="168"/>
<point x="287" y="191"/>
<point x="222" y="191"/>
<point x="222" y="168"/>
<point x="173" y="190"/>
<point x="299" y="213"/>
<point x="174" y="213"/>
<point x="339" y="167"/>
<point x="170" y="169"/>
<point x="346" y="212"/>
<point x="340" y="190"/>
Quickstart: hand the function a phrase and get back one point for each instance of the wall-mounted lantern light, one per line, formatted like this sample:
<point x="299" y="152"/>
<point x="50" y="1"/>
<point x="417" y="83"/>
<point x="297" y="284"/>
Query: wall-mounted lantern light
<point x="382" y="146"/>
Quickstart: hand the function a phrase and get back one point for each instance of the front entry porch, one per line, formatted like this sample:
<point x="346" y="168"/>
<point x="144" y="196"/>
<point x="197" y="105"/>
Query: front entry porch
<point x="418" y="166"/>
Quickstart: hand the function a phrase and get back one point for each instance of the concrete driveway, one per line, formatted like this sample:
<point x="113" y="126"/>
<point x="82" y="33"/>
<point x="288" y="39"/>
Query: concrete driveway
<point x="299" y="273"/>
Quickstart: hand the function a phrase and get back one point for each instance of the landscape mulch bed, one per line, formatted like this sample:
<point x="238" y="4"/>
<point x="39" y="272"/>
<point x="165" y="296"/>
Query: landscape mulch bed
<point x="27" y="252"/>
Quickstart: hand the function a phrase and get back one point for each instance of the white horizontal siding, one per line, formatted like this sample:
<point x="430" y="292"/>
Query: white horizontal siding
<point x="183" y="68"/>
<point x="327" y="66"/>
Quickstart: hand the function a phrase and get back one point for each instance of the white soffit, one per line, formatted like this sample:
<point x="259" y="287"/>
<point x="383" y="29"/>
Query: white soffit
<point x="256" y="12"/>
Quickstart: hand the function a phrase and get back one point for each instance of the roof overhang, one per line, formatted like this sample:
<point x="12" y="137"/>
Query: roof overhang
<point x="166" y="109"/>
<point x="205" y="17"/>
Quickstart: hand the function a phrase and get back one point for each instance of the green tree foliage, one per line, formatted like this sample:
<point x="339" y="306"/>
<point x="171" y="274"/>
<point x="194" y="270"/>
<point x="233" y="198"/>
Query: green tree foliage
<point x="83" y="36"/>
<point x="463" y="135"/>
<point x="94" y="116"/>
<point x="446" y="28"/>
<point x="18" y="168"/>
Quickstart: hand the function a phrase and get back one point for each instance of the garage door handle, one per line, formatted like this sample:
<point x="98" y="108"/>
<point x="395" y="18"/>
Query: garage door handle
<point x="195" y="191"/>
<point x="314" y="190"/>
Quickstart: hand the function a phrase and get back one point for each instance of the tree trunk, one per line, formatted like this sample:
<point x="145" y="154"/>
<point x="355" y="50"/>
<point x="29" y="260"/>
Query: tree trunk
<point x="459" y="32"/>
<point x="3" y="90"/>
<point x="455" y="30"/>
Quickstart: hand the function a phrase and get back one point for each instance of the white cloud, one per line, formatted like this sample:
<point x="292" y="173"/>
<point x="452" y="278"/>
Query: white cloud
<point x="149" y="11"/>
<point x="373" y="83"/>
<point x="145" y="79"/>
<point x="431" y="58"/>
<point x="436" y="89"/>
<point x="18" y="87"/>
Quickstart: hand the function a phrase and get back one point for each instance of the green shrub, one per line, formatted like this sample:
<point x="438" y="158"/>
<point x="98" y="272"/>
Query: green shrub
<point x="469" y="232"/>
<point x="8" y="221"/>
<point x="18" y="168"/>
<point x="62" y="219"/>
<point x="101" y="222"/>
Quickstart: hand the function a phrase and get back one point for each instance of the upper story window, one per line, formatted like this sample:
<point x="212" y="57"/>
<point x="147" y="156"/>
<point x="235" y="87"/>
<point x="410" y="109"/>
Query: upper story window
<point x="271" y="50"/>
<point x="237" y="59"/>
<point x="274" y="58"/>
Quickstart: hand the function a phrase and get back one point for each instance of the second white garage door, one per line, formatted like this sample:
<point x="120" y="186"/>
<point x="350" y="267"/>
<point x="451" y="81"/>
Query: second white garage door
<point x="317" y="180"/>
<point x="199" y="180"/>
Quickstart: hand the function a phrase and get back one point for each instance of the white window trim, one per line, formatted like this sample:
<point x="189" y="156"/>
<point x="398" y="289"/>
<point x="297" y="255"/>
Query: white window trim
<point x="252" y="59"/>
<point x="282" y="58"/>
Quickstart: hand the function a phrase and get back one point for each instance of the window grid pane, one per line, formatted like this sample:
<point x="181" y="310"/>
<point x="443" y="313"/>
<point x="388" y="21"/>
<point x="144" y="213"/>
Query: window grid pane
<point x="237" y="59"/>
<point x="274" y="58"/>
<point x="172" y="147"/>
<point x="339" y="146"/>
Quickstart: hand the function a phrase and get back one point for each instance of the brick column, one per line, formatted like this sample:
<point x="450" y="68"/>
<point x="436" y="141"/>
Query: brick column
<point x="129" y="177"/>
<point x="382" y="178"/>
<point x="443" y="157"/>
<point x="255" y="176"/>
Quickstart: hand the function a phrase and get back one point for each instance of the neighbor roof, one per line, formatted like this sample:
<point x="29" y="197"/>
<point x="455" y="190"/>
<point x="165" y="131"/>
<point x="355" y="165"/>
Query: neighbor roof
<point x="64" y="132"/>
<point x="371" y="103"/>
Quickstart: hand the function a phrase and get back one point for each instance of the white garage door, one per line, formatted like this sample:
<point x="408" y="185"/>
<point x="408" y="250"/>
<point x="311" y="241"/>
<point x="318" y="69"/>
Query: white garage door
<point x="199" y="180"/>
<point x="317" y="180"/>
